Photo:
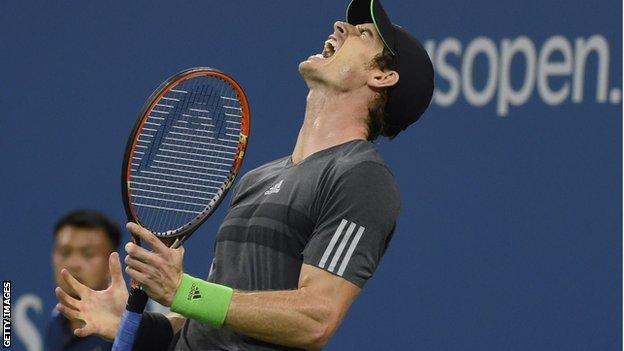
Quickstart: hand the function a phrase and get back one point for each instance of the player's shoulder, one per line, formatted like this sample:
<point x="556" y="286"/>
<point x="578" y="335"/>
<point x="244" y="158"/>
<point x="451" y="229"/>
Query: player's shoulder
<point x="358" y="171"/>
<point x="361" y="156"/>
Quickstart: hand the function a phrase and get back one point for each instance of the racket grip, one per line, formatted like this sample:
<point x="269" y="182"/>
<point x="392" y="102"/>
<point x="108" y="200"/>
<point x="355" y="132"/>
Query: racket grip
<point x="130" y="321"/>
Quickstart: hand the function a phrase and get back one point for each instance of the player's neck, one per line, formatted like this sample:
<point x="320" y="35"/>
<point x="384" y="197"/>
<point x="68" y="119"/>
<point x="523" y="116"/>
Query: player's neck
<point x="331" y="119"/>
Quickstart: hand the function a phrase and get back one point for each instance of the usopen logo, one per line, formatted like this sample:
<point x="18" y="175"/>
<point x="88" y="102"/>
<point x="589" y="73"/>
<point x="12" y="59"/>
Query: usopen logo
<point x="560" y="70"/>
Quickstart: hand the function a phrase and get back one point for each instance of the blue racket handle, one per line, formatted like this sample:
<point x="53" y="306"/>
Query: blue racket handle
<point x="130" y="321"/>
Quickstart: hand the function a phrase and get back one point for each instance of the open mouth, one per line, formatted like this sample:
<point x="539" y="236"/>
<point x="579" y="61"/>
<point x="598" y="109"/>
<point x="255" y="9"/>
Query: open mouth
<point x="330" y="48"/>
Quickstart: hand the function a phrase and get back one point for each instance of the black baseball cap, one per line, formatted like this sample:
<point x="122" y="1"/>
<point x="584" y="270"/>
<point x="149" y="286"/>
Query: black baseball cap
<point x="410" y="97"/>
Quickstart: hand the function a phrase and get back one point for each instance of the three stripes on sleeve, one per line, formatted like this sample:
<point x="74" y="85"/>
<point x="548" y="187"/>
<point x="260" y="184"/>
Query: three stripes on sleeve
<point x="348" y="233"/>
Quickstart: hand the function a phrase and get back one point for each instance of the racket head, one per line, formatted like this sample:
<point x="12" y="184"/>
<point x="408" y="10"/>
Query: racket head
<point x="185" y="151"/>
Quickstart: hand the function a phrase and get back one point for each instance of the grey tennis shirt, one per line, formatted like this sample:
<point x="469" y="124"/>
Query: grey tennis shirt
<point x="335" y="210"/>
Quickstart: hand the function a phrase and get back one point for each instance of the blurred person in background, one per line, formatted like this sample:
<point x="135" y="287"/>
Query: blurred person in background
<point x="84" y="245"/>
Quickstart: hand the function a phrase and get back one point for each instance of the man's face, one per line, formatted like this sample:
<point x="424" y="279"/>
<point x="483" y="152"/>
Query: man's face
<point x="84" y="253"/>
<point x="345" y="63"/>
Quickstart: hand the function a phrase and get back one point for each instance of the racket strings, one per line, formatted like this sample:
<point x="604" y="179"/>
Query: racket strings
<point x="184" y="154"/>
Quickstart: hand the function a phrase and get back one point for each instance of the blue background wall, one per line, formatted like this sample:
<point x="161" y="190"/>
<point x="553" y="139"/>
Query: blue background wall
<point x="510" y="233"/>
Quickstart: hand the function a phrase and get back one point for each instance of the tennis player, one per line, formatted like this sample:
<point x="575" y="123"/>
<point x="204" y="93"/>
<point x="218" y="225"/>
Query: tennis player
<point x="303" y="233"/>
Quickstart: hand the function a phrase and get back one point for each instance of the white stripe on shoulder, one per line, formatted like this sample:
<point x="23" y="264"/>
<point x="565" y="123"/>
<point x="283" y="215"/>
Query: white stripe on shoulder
<point x="354" y="243"/>
<point x="341" y="247"/>
<point x="332" y="243"/>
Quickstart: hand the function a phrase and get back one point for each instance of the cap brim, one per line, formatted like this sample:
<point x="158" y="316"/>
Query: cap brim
<point x="371" y="11"/>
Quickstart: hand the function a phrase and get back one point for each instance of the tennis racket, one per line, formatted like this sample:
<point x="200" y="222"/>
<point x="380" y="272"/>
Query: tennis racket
<point x="183" y="155"/>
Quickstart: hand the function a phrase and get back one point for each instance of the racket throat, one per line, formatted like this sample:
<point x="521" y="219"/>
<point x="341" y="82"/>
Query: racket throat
<point x="137" y="300"/>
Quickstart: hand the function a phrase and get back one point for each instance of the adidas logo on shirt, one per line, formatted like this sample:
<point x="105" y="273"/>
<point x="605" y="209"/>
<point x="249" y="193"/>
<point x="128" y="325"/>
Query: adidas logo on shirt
<point x="194" y="293"/>
<point x="275" y="188"/>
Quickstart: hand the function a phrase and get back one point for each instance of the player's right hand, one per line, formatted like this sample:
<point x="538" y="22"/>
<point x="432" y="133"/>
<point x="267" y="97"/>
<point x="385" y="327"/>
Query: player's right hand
<point x="99" y="311"/>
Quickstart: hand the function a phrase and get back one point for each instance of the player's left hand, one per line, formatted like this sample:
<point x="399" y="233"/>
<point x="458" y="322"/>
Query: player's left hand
<point x="159" y="271"/>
